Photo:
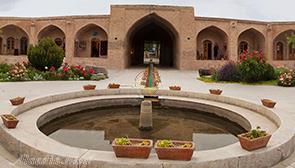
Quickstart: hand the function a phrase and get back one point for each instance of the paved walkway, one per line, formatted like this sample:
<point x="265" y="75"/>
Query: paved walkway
<point x="285" y="97"/>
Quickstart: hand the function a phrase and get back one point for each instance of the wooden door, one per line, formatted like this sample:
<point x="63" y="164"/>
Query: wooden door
<point x="10" y="45"/>
<point x="95" y="44"/>
<point x="280" y="51"/>
<point x="207" y="50"/>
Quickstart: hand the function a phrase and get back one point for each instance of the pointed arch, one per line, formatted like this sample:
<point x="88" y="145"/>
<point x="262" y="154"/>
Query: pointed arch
<point x="53" y="32"/>
<point x="152" y="30"/>
<point x="217" y="48"/>
<point x="255" y="40"/>
<point x="12" y="36"/>
<point x="281" y="49"/>
<point x="91" y="41"/>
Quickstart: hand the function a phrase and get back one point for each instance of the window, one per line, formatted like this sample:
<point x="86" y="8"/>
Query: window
<point x="243" y="46"/>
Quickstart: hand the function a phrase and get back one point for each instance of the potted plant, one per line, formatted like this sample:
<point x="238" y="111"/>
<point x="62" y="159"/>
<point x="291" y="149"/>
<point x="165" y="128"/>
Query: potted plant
<point x="9" y="120"/>
<point x="268" y="103"/>
<point x="174" y="150"/>
<point x="177" y="88"/>
<point x="254" y="139"/>
<point x="215" y="91"/>
<point x="17" y="101"/>
<point x="89" y="87"/>
<point x="132" y="148"/>
<point x="114" y="86"/>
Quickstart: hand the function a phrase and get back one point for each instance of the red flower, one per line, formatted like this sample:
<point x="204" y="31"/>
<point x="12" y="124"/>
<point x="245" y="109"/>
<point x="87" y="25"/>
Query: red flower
<point x="91" y="71"/>
<point x="52" y="69"/>
<point x="65" y="69"/>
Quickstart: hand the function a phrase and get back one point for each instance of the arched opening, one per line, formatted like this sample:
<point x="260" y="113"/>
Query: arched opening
<point x="23" y="45"/>
<point x="91" y="41"/>
<point x="55" y="33"/>
<point x="212" y="44"/>
<point x="254" y="39"/>
<point x="243" y="46"/>
<point x="282" y="50"/>
<point x="154" y="37"/>
<point x="14" y="41"/>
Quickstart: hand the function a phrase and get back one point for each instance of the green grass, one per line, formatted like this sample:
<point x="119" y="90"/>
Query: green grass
<point x="210" y="80"/>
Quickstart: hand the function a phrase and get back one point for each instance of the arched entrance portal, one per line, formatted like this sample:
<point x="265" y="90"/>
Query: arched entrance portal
<point x="152" y="32"/>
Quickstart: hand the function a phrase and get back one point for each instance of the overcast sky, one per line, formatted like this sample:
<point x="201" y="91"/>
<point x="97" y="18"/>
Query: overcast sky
<point x="269" y="10"/>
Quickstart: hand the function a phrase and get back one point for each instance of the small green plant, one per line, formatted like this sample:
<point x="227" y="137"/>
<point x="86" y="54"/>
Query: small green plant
<point x="187" y="145"/>
<point x="144" y="143"/>
<point x="123" y="141"/>
<point x="165" y="144"/>
<point x="256" y="133"/>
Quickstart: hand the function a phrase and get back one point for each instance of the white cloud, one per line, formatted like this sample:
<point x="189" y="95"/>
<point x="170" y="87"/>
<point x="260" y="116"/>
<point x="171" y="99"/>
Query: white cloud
<point x="240" y="9"/>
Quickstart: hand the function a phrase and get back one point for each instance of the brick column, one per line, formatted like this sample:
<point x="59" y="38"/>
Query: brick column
<point x="70" y="41"/>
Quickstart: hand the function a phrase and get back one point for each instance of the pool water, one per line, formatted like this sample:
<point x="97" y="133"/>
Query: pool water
<point x="95" y="129"/>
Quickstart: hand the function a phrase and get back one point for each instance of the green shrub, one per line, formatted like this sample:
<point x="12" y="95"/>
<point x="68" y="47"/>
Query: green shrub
<point x="269" y="72"/>
<point x="4" y="77"/>
<point x="34" y="74"/>
<point x="253" y="68"/>
<point x="45" y="54"/>
<point x="4" y="68"/>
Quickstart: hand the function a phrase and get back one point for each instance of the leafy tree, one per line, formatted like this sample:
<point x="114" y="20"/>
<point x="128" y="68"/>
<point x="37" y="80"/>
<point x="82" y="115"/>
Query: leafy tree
<point x="46" y="54"/>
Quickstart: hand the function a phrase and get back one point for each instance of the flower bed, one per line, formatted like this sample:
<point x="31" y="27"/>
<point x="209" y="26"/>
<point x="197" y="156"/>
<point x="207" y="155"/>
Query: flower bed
<point x="25" y="72"/>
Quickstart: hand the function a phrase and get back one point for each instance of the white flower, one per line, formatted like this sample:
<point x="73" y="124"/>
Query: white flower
<point x="46" y="67"/>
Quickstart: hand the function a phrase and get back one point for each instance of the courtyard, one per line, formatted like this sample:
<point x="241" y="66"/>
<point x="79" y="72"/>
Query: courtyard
<point x="146" y="86"/>
<point x="186" y="79"/>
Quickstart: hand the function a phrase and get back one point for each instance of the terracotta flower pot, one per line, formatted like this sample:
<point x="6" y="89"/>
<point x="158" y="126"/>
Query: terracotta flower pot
<point x="89" y="87"/>
<point x="253" y="144"/>
<point x="177" y="152"/>
<point x="17" y="101"/>
<point x="215" y="91"/>
<point x="133" y="151"/>
<point x="177" y="88"/>
<point x="9" y="120"/>
<point x="113" y="86"/>
<point x="268" y="103"/>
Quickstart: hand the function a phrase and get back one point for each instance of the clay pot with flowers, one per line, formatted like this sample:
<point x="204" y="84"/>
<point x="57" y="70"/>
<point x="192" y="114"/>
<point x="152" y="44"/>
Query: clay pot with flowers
<point x="132" y="148"/>
<point x="89" y="87"/>
<point x="176" y="88"/>
<point x="114" y="86"/>
<point x="17" y="101"/>
<point x="254" y="139"/>
<point x="174" y="150"/>
<point x="268" y="103"/>
<point x="215" y="91"/>
<point x="9" y="120"/>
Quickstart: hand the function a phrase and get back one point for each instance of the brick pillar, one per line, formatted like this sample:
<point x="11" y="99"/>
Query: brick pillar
<point x="70" y="41"/>
<point x="233" y="42"/>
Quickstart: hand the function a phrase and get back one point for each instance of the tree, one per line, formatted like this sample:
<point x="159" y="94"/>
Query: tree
<point x="45" y="54"/>
<point x="291" y="40"/>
